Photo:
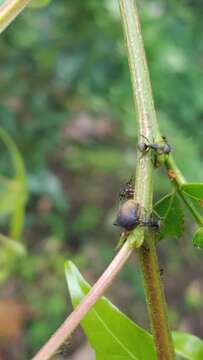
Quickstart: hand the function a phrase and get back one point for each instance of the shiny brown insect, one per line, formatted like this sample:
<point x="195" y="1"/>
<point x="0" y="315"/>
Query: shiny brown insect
<point x="129" y="217"/>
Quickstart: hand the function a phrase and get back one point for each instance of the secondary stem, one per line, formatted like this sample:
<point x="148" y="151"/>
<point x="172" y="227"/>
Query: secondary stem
<point x="178" y="180"/>
<point x="9" y="10"/>
<point x="148" y="127"/>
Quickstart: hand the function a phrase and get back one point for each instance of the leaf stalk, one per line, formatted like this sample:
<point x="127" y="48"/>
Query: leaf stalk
<point x="178" y="180"/>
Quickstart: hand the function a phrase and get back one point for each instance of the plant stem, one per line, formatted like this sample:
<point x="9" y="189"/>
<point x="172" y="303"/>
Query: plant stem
<point x="9" y="10"/>
<point x="148" y="127"/>
<point x="155" y="299"/>
<point x="178" y="180"/>
<point x="72" y="321"/>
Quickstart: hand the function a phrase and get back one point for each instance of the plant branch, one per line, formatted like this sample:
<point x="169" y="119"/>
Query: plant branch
<point x="9" y="10"/>
<point x="178" y="180"/>
<point x="73" y="320"/>
<point x="148" y="127"/>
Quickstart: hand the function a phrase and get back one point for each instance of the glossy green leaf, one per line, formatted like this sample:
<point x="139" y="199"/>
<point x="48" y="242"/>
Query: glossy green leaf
<point x="198" y="238"/>
<point x="114" y="336"/>
<point x="171" y="213"/>
<point x="111" y="334"/>
<point x="188" y="346"/>
<point x="194" y="190"/>
<point x="13" y="192"/>
<point x="39" y="3"/>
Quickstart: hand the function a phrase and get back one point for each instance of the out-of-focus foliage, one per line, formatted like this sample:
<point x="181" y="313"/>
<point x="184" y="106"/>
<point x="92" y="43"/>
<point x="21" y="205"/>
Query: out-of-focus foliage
<point x="38" y="3"/>
<point x="66" y="101"/>
<point x="13" y="192"/>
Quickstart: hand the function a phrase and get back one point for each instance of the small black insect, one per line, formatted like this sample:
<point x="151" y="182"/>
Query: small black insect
<point x="151" y="222"/>
<point x="161" y="271"/>
<point x="129" y="215"/>
<point x="127" y="191"/>
<point x="162" y="149"/>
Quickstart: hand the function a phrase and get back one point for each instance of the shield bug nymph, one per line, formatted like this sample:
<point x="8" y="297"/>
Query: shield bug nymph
<point x="128" y="215"/>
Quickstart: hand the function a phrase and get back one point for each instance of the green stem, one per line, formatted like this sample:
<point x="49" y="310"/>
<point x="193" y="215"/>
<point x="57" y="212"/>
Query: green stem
<point x="155" y="299"/>
<point x="9" y="10"/>
<point x="148" y="127"/>
<point x="178" y="180"/>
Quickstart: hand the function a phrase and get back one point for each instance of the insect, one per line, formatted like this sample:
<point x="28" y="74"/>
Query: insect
<point x="161" y="271"/>
<point x="129" y="217"/>
<point x="151" y="222"/>
<point x="127" y="191"/>
<point x="162" y="149"/>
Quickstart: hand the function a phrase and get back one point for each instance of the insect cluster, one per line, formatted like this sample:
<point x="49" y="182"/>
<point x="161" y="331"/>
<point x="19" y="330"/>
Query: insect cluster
<point x="129" y="214"/>
<point x="160" y="149"/>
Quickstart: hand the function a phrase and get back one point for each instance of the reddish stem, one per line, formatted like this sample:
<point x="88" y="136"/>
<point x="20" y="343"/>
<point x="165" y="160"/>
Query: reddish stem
<point x="73" y="320"/>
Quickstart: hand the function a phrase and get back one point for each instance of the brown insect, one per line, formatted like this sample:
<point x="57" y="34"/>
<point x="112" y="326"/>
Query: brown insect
<point x="129" y="217"/>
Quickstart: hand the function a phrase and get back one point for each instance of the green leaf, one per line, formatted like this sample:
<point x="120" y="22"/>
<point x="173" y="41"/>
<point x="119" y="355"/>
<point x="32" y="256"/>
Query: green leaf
<point x="114" y="336"/>
<point x="169" y="209"/>
<point x="111" y="334"/>
<point x="188" y="346"/>
<point x="195" y="192"/>
<point x="39" y="3"/>
<point x="198" y="238"/>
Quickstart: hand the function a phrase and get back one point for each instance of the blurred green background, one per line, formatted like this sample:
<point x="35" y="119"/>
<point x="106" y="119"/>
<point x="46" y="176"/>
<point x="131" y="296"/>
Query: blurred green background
<point x="66" y="102"/>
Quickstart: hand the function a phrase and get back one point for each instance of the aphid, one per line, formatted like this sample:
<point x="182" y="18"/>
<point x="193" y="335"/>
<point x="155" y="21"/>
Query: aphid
<point x="162" y="149"/>
<point x="127" y="191"/>
<point x="129" y="215"/>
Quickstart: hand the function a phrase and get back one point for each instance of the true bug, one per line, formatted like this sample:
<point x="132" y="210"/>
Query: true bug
<point x="129" y="217"/>
<point x="162" y="149"/>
